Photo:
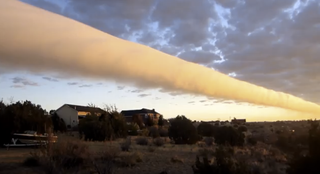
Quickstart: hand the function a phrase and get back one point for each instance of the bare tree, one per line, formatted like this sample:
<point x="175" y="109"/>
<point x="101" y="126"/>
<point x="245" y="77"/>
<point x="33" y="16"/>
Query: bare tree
<point x="92" y="105"/>
<point x="110" y="108"/>
<point x="11" y="100"/>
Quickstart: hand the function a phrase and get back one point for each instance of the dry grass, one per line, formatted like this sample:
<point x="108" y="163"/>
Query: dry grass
<point x="158" y="141"/>
<point x="14" y="155"/>
<point x="143" y="141"/>
<point x="108" y="156"/>
<point x="176" y="159"/>
<point x="126" y="145"/>
<point x="140" y="159"/>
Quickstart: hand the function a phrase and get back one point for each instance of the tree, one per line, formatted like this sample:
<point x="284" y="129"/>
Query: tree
<point x="308" y="164"/>
<point x="227" y="135"/>
<point x="138" y="120"/>
<point x="160" y="121"/>
<point x="92" y="105"/>
<point x="154" y="132"/>
<point x="11" y="100"/>
<point x="94" y="128"/>
<point x="108" y="126"/>
<point x="2" y="106"/>
<point x="118" y="124"/>
<point x="222" y="164"/>
<point x="182" y="131"/>
<point x="21" y="116"/>
<point x="150" y="121"/>
<point x="314" y="138"/>
<point x="52" y="112"/>
<point x="242" y="129"/>
<point x="58" y="123"/>
<point x="252" y="141"/>
<point x="133" y="129"/>
<point x="206" y="129"/>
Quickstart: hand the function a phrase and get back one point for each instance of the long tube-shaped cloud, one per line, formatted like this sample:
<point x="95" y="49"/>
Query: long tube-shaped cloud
<point x="36" y="40"/>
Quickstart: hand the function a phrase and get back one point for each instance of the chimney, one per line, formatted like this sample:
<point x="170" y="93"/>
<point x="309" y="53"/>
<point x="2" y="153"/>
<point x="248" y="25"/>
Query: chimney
<point x="153" y="110"/>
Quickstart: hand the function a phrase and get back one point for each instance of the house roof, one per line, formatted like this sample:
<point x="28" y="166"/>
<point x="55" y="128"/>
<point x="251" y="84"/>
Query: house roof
<point x="138" y="111"/>
<point x="85" y="108"/>
<point x="239" y="120"/>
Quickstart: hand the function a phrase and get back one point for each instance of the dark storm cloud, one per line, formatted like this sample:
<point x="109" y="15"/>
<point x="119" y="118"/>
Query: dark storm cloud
<point x="144" y="95"/>
<point x="201" y="57"/>
<point x="85" y="86"/>
<point x="72" y="83"/>
<point x="227" y="3"/>
<point x="48" y="5"/>
<point x="17" y="86"/>
<point x="136" y="91"/>
<point x="114" y="17"/>
<point x="188" y="19"/>
<point x="109" y="16"/>
<point x="275" y="44"/>
<point x="274" y="49"/>
<point x="120" y="87"/>
<point x="50" y="79"/>
<point x="21" y="81"/>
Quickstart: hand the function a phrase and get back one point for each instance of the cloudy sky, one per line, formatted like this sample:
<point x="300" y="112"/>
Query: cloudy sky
<point x="274" y="44"/>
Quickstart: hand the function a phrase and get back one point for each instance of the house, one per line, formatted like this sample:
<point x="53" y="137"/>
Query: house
<point x="71" y="114"/>
<point x="238" y="121"/>
<point x="143" y="113"/>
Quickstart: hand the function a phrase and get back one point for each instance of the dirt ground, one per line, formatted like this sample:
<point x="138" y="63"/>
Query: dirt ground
<point x="11" y="160"/>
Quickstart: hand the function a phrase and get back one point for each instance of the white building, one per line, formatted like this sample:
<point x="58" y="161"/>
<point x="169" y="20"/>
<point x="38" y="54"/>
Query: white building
<point x="71" y="114"/>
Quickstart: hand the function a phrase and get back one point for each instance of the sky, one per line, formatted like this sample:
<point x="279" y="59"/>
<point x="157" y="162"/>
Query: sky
<point x="274" y="44"/>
